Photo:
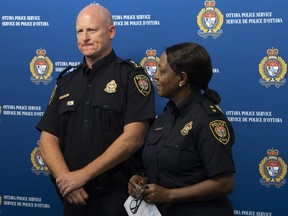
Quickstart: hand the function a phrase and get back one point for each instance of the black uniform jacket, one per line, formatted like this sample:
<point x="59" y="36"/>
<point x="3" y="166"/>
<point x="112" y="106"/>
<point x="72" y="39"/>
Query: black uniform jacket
<point x="189" y="144"/>
<point x="89" y="108"/>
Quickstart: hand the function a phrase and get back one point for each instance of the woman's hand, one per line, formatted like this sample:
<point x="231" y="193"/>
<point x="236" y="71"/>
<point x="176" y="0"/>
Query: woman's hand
<point x="136" y="186"/>
<point x="156" y="194"/>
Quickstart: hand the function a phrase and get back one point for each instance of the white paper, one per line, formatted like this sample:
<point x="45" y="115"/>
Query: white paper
<point x="144" y="208"/>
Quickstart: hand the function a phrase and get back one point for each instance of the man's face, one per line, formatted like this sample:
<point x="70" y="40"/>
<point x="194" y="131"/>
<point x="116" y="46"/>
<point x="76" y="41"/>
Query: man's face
<point x="94" y="36"/>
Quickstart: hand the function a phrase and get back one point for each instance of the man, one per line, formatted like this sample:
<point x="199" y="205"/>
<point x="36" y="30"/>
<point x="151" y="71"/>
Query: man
<point x="96" y="121"/>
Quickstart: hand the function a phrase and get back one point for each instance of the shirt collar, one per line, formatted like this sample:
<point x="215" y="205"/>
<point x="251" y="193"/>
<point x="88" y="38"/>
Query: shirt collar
<point x="185" y="105"/>
<point x="101" y="63"/>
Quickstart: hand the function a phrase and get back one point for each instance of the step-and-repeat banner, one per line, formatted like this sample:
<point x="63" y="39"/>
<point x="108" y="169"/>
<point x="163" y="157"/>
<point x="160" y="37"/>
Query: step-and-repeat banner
<point x="247" y="41"/>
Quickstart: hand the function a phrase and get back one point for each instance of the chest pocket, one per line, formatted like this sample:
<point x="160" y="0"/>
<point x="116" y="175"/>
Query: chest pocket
<point x="66" y="116"/>
<point x="107" y="111"/>
<point x="181" y="149"/>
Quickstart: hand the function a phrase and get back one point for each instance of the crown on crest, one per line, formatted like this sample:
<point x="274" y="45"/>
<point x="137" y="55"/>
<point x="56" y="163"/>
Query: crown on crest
<point x="272" y="52"/>
<point x="209" y="3"/>
<point x="151" y="52"/>
<point x="41" y="52"/>
<point x="272" y="152"/>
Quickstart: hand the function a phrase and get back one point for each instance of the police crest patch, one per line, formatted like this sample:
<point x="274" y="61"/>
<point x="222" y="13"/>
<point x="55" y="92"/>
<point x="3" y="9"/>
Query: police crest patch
<point x="272" y="169"/>
<point x="143" y="84"/>
<point x="220" y="131"/>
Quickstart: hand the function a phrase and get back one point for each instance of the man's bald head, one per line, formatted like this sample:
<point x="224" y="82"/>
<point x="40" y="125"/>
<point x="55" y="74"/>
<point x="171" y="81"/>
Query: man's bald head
<point x="98" y="11"/>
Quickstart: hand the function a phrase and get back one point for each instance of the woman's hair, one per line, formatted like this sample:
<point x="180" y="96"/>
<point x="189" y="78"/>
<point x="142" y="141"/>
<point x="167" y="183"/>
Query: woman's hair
<point x="194" y="60"/>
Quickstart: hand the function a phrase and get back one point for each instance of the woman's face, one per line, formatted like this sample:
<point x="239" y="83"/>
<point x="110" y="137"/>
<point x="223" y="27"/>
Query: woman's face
<point x="166" y="80"/>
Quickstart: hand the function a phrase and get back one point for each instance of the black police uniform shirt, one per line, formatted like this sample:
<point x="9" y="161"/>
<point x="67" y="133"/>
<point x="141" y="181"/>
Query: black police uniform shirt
<point x="88" y="109"/>
<point x="189" y="144"/>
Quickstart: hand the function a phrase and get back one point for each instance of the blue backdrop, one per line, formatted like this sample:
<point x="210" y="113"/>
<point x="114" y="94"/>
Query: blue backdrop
<point x="247" y="41"/>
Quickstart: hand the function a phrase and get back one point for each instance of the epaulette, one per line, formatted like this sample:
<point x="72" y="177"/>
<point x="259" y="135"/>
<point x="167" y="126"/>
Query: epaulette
<point x="134" y="64"/>
<point x="211" y="108"/>
<point x="67" y="69"/>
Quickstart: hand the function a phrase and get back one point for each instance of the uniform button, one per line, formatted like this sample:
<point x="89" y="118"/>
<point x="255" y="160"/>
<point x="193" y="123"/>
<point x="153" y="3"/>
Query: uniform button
<point x="87" y="102"/>
<point x="85" y="120"/>
<point x="84" y="139"/>
<point x="89" y="85"/>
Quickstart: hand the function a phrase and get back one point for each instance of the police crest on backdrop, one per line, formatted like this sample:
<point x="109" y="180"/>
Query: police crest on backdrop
<point x="272" y="69"/>
<point x="272" y="169"/>
<point x="150" y="63"/>
<point x="37" y="161"/>
<point x="41" y="68"/>
<point x="210" y="20"/>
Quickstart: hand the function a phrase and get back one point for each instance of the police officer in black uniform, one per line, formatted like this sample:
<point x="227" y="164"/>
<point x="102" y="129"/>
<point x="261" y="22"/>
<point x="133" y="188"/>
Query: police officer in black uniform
<point x="188" y="152"/>
<point x="96" y="122"/>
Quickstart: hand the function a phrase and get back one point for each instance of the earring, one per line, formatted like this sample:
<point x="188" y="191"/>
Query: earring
<point x="180" y="85"/>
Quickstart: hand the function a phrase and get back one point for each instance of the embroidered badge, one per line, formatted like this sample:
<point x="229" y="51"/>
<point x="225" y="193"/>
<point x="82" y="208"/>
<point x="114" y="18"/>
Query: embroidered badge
<point x="220" y="131"/>
<point x="143" y="85"/>
<point x="185" y="130"/>
<point x="272" y="169"/>
<point x="111" y="87"/>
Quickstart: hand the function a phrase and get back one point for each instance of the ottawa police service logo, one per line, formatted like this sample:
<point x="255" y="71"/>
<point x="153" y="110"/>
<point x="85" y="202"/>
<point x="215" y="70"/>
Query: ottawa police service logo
<point x="210" y="20"/>
<point x="220" y="131"/>
<point x="37" y="161"/>
<point x="41" y="68"/>
<point x="272" y="69"/>
<point x="150" y="63"/>
<point x="272" y="169"/>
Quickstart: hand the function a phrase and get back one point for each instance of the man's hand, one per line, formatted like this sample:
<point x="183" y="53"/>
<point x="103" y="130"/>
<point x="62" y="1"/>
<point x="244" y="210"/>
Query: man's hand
<point x="70" y="182"/>
<point x="78" y="197"/>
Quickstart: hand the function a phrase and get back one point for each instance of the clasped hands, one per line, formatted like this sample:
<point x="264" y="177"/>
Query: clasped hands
<point x="70" y="187"/>
<point x="139" y="188"/>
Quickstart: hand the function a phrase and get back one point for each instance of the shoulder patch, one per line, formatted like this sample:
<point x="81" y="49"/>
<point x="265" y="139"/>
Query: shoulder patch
<point x="211" y="108"/>
<point x="220" y="131"/>
<point x="143" y="84"/>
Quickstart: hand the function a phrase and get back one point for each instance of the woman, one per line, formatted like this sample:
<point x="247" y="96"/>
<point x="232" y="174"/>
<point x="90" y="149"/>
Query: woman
<point x="189" y="168"/>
